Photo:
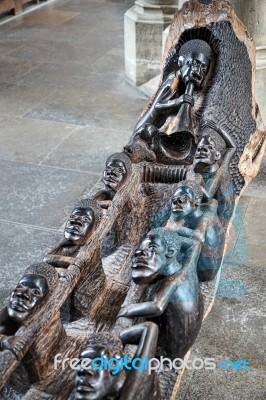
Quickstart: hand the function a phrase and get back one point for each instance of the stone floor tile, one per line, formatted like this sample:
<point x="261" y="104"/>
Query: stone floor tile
<point x="16" y="100"/>
<point x="20" y="246"/>
<point x="226" y="385"/>
<point x="7" y="47"/>
<point x="233" y="330"/>
<point x="12" y="69"/>
<point x="257" y="186"/>
<point x="51" y="18"/>
<point x="51" y="52"/>
<point x="76" y="77"/>
<point x="89" y="109"/>
<point x="87" y="149"/>
<point x="39" y="138"/>
<point x="40" y="195"/>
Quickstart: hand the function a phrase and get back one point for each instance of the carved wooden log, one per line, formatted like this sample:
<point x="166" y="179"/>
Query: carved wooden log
<point x="197" y="144"/>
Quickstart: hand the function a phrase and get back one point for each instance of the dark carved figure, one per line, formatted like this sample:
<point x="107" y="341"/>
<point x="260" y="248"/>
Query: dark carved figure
<point x="194" y="61"/>
<point x="170" y="113"/>
<point x="212" y="159"/>
<point x="193" y="219"/>
<point x="83" y="220"/>
<point x="172" y="299"/>
<point x="27" y="296"/>
<point x="123" y="289"/>
<point x="118" y="167"/>
<point x="93" y="384"/>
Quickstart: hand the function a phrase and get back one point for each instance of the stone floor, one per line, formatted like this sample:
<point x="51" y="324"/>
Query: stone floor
<point x="64" y="107"/>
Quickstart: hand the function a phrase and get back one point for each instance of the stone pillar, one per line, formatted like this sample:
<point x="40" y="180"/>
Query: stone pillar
<point x="144" y="26"/>
<point x="252" y="13"/>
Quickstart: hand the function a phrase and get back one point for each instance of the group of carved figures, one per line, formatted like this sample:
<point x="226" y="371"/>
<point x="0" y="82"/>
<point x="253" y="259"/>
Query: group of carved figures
<point x="181" y="247"/>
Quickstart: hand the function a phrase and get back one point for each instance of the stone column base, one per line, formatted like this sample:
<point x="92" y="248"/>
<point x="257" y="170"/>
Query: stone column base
<point x="144" y="26"/>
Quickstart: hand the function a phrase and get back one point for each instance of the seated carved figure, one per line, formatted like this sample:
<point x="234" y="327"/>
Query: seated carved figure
<point x="193" y="219"/>
<point x="117" y="168"/>
<point x="194" y="61"/>
<point x="83" y="220"/>
<point x="92" y="384"/>
<point x="170" y="112"/>
<point x="30" y="292"/>
<point x="172" y="298"/>
<point x="212" y="159"/>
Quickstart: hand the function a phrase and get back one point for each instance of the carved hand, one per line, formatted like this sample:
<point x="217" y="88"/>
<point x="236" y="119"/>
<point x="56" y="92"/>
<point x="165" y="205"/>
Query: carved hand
<point x="123" y="312"/>
<point x="14" y="344"/>
<point x="186" y="98"/>
<point x="65" y="275"/>
<point x="146" y="309"/>
<point x="175" y="103"/>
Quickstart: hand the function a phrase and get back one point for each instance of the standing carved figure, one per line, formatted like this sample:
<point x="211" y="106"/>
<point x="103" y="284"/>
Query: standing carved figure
<point x="172" y="298"/>
<point x="191" y="218"/>
<point x="214" y="153"/>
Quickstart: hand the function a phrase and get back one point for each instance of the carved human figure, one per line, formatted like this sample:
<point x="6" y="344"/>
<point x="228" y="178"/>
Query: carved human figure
<point x="212" y="159"/>
<point x="192" y="218"/>
<point x="194" y="61"/>
<point x="97" y="384"/>
<point x="172" y="298"/>
<point x="30" y="292"/>
<point x="167" y="125"/>
<point x="117" y="168"/>
<point x="83" y="220"/>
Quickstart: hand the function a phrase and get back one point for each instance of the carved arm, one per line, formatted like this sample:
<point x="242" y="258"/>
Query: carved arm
<point x="145" y="335"/>
<point x="174" y="104"/>
<point x="191" y="234"/>
<point x="58" y="261"/>
<point x="158" y="305"/>
<point x="165" y="89"/>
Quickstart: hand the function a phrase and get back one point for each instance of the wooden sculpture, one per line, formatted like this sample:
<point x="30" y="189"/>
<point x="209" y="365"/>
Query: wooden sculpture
<point x="133" y="275"/>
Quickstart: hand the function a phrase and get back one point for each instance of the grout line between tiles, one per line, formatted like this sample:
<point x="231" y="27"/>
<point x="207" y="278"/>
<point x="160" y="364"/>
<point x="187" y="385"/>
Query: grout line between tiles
<point x="40" y="228"/>
<point x="57" y="146"/>
<point x="96" y="174"/>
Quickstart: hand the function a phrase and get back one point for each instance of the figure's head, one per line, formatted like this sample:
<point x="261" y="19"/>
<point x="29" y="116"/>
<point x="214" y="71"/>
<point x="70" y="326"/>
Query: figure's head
<point x="31" y="290"/>
<point x="85" y="216"/>
<point x="211" y="147"/>
<point x="158" y="250"/>
<point x="139" y="151"/>
<point x="97" y="384"/>
<point x="194" y="61"/>
<point x="187" y="198"/>
<point x="117" y="167"/>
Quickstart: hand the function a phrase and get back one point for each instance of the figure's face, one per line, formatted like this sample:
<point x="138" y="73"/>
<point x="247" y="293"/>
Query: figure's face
<point x="94" y="384"/>
<point x="114" y="174"/>
<point x="206" y="151"/>
<point x="184" y="202"/>
<point x="79" y="225"/>
<point x="27" y="295"/>
<point x="150" y="258"/>
<point x="194" y="67"/>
